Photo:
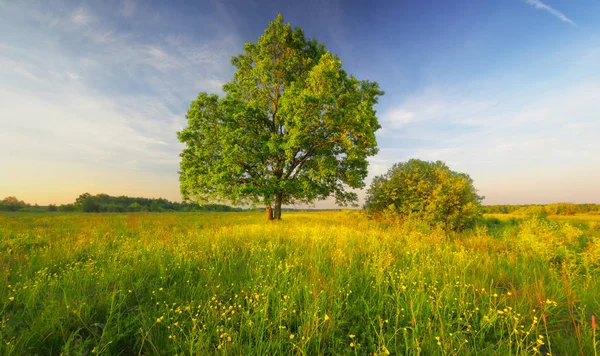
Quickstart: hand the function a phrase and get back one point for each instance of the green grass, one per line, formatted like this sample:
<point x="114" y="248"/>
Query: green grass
<point x="313" y="283"/>
<point x="575" y="217"/>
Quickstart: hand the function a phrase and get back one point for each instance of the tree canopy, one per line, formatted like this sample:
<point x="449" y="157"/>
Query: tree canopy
<point x="101" y="203"/>
<point x="292" y="127"/>
<point x="428" y="190"/>
<point x="12" y="204"/>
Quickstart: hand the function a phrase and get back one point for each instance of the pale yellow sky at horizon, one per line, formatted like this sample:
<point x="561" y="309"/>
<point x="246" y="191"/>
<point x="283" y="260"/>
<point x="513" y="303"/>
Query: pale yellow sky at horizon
<point x="38" y="184"/>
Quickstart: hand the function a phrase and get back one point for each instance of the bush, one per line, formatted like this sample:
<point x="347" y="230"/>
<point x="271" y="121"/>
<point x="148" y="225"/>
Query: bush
<point x="12" y="204"/>
<point x="532" y="211"/>
<point x="90" y="205"/>
<point x="426" y="190"/>
<point x="68" y="208"/>
<point x="134" y="207"/>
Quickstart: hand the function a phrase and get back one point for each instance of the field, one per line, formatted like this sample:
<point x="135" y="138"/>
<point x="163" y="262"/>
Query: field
<point x="313" y="283"/>
<point x="568" y="218"/>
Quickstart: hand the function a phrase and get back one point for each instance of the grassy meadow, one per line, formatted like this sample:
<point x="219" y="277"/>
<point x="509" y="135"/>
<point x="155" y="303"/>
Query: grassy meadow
<point x="313" y="283"/>
<point x="569" y="218"/>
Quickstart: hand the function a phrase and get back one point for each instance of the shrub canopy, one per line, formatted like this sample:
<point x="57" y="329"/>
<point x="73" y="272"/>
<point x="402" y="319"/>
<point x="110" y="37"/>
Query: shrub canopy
<point x="426" y="190"/>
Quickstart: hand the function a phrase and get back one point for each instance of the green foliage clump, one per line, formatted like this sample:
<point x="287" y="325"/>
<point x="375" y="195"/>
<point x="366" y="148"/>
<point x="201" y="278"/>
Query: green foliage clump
<point x="68" y="208"/>
<point x="428" y="191"/>
<point x="135" y="206"/>
<point x="12" y="204"/>
<point x="550" y="240"/>
<point x="591" y="255"/>
<point x="532" y="211"/>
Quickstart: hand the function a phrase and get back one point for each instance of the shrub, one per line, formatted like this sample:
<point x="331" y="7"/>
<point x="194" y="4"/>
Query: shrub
<point x="134" y="207"/>
<point x="90" y="205"/>
<point x="429" y="191"/>
<point x="68" y="208"/>
<point x="533" y="211"/>
<point x="12" y="204"/>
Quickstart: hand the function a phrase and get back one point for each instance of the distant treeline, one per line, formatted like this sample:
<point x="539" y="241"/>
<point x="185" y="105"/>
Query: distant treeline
<point x="104" y="203"/>
<point x="549" y="209"/>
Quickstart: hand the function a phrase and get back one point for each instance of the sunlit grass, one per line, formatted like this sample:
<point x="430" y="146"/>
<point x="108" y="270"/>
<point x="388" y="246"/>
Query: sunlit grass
<point x="313" y="283"/>
<point x="575" y="217"/>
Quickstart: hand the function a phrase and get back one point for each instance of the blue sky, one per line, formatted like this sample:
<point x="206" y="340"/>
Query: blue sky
<point x="92" y="93"/>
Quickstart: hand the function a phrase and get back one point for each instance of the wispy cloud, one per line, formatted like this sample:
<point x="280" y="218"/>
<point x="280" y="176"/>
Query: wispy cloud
<point x="432" y="105"/>
<point x="398" y="117"/>
<point x="82" y="17"/>
<point x="529" y="145"/>
<point x="540" y="5"/>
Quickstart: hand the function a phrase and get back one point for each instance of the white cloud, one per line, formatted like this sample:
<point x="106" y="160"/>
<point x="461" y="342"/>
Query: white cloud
<point x="18" y="69"/>
<point x="76" y="119"/>
<point x="540" y="5"/>
<point x="82" y="17"/>
<point x="529" y="145"/>
<point x="72" y="76"/>
<point x="398" y="117"/>
<point x="433" y="105"/>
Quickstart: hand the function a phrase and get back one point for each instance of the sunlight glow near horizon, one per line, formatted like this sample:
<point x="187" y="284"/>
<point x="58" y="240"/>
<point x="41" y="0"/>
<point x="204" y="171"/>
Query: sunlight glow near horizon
<point x="92" y="94"/>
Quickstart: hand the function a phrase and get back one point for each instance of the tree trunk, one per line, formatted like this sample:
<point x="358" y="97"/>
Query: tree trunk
<point x="269" y="212"/>
<point x="278" y="199"/>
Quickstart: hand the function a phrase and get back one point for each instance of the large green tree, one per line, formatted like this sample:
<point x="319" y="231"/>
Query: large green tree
<point x="429" y="191"/>
<point x="292" y="127"/>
